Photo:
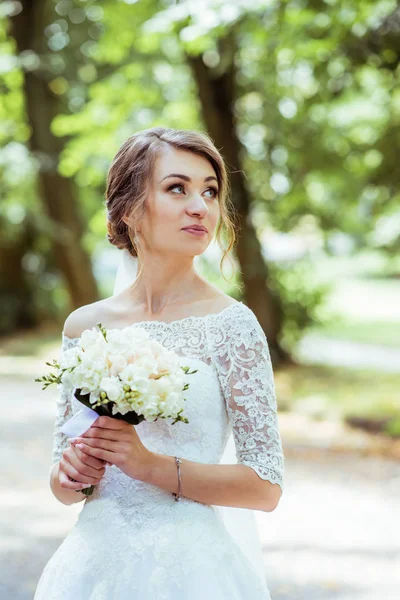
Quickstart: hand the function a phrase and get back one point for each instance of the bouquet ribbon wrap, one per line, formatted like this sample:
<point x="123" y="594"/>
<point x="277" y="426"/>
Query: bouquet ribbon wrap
<point x="80" y="422"/>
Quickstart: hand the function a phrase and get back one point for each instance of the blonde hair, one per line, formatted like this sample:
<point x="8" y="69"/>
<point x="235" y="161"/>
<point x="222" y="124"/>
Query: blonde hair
<point x="131" y="171"/>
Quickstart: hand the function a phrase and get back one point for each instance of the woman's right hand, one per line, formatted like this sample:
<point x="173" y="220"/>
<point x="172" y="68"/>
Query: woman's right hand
<point x="75" y="464"/>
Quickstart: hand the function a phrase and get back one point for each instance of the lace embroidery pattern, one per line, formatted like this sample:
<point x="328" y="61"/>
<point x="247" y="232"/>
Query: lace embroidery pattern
<point x="243" y="362"/>
<point x="234" y="345"/>
<point x="171" y="545"/>
<point x="66" y="406"/>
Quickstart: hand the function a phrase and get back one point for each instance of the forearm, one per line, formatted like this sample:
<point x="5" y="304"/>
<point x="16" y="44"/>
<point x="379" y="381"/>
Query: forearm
<point x="221" y="485"/>
<point x="62" y="494"/>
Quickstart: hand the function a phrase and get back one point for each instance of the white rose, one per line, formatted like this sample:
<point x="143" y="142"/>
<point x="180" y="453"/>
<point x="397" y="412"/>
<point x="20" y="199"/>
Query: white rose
<point x="137" y="335"/>
<point x="127" y="338"/>
<point x="91" y="338"/>
<point x="117" y="362"/>
<point x="156" y="348"/>
<point x="117" y="344"/>
<point x="94" y="352"/>
<point x="147" y="362"/>
<point x="170" y="360"/>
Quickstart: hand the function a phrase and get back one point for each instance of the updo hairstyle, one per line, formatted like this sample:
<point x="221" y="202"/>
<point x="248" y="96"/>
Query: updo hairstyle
<point x="130" y="174"/>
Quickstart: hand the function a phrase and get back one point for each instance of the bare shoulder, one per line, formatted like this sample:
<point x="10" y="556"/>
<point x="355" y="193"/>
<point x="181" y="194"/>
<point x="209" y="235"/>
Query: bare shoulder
<point x="85" y="317"/>
<point x="217" y="300"/>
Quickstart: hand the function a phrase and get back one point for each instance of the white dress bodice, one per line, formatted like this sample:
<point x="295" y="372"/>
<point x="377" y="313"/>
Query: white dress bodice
<point x="136" y="523"/>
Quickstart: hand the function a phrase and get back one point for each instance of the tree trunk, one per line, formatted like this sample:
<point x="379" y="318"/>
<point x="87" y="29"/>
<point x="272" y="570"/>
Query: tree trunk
<point x="18" y="309"/>
<point x="216" y="89"/>
<point x="58" y="194"/>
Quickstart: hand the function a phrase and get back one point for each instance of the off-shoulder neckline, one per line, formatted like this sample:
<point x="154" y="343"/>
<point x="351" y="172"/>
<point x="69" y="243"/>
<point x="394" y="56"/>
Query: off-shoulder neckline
<point x="165" y="324"/>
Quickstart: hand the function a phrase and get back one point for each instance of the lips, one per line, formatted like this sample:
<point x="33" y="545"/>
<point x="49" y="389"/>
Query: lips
<point x="196" y="228"/>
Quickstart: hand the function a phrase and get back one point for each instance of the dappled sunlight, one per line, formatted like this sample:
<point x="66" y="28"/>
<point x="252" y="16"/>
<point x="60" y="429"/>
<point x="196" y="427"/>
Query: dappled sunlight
<point x="336" y="521"/>
<point x="302" y="101"/>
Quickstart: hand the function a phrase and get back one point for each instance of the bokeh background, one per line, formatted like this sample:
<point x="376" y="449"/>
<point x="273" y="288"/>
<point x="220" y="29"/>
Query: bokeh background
<point x="302" y="98"/>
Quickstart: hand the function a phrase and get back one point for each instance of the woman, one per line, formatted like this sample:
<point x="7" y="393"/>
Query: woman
<point x="166" y="200"/>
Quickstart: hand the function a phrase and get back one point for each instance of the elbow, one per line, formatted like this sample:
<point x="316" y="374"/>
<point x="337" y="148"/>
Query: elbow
<point x="272" y="498"/>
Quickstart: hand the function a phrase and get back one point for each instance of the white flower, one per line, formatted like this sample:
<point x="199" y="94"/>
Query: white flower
<point x="151" y="409"/>
<point x="67" y="378"/>
<point x="127" y="338"/>
<point x="91" y="339"/>
<point x="89" y="371"/>
<point x="129" y="357"/>
<point x="69" y="358"/>
<point x="121" y="407"/>
<point x="94" y="396"/>
<point x="95" y="352"/>
<point x="116" y="363"/>
<point x="170" y="360"/>
<point x="136" y="377"/>
<point x="113" y="388"/>
<point x="147" y="362"/>
<point x="87" y="376"/>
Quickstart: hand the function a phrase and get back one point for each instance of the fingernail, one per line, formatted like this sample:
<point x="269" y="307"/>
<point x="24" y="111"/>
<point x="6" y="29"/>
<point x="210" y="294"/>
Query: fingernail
<point x="80" y="445"/>
<point x="86" y="485"/>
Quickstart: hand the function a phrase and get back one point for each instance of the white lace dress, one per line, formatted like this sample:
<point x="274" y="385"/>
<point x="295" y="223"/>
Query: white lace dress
<point x="132" y="540"/>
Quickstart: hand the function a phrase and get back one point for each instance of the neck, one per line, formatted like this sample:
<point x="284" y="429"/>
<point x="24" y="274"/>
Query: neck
<point x="164" y="282"/>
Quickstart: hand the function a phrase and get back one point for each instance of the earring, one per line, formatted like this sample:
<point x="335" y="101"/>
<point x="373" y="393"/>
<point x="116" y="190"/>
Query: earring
<point x="135" y="239"/>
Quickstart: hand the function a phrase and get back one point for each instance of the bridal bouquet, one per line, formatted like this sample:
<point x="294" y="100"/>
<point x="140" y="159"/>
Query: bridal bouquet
<point x="123" y="374"/>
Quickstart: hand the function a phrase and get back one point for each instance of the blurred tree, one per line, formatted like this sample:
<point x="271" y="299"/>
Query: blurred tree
<point x="18" y="307"/>
<point x="217" y="93"/>
<point x="378" y="49"/>
<point x="301" y="97"/>
<point x="58" y="193"/>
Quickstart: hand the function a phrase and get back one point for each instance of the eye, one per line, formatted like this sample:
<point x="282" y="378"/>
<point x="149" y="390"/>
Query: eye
<point x="175" y="185"/>
<point x="214" y="190"/>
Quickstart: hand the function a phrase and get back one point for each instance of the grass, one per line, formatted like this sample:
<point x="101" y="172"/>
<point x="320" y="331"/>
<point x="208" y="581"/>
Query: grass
<point x="31" y="343"/>
<point x="337" y="393"/>
<point x="386" y="333"/>
<point x="368" y="309"/>
<point x="363" y="305"/>
<point x="318" y="391"/>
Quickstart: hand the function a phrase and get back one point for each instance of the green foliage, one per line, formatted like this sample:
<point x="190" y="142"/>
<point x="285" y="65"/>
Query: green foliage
<point x="53" y="377"/>
<point x="316" y="104"/>
<point x="393" y="428"/>
<point x="339" y="394"/>
<point x="301" y="293"/>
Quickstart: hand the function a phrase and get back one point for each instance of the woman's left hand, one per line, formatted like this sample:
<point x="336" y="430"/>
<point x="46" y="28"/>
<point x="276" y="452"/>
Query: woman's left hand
<point x="117" y="443"/>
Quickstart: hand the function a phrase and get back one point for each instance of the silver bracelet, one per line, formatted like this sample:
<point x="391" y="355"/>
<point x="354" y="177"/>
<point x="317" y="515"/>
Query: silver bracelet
<point x="178" y="462"/>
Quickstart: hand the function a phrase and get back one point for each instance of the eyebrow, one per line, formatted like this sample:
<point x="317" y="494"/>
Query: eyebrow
<point x="186" y="178"/>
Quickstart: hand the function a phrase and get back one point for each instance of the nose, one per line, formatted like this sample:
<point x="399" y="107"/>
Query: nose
<point x="197" y="207"/>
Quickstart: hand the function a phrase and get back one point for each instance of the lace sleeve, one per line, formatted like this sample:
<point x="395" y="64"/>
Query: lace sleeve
<point x="63" y="407"/>
<point x="245" y="372"/>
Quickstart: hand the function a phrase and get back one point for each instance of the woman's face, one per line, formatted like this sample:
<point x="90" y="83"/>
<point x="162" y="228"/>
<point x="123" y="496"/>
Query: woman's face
<point x="183" y="192"/>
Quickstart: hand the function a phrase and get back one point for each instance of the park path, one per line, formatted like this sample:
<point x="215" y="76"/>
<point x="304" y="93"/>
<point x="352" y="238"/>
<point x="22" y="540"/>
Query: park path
<point x="334" y="536"/>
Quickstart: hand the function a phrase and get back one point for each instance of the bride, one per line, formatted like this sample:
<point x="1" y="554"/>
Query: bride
<point x="172" y="514"/>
